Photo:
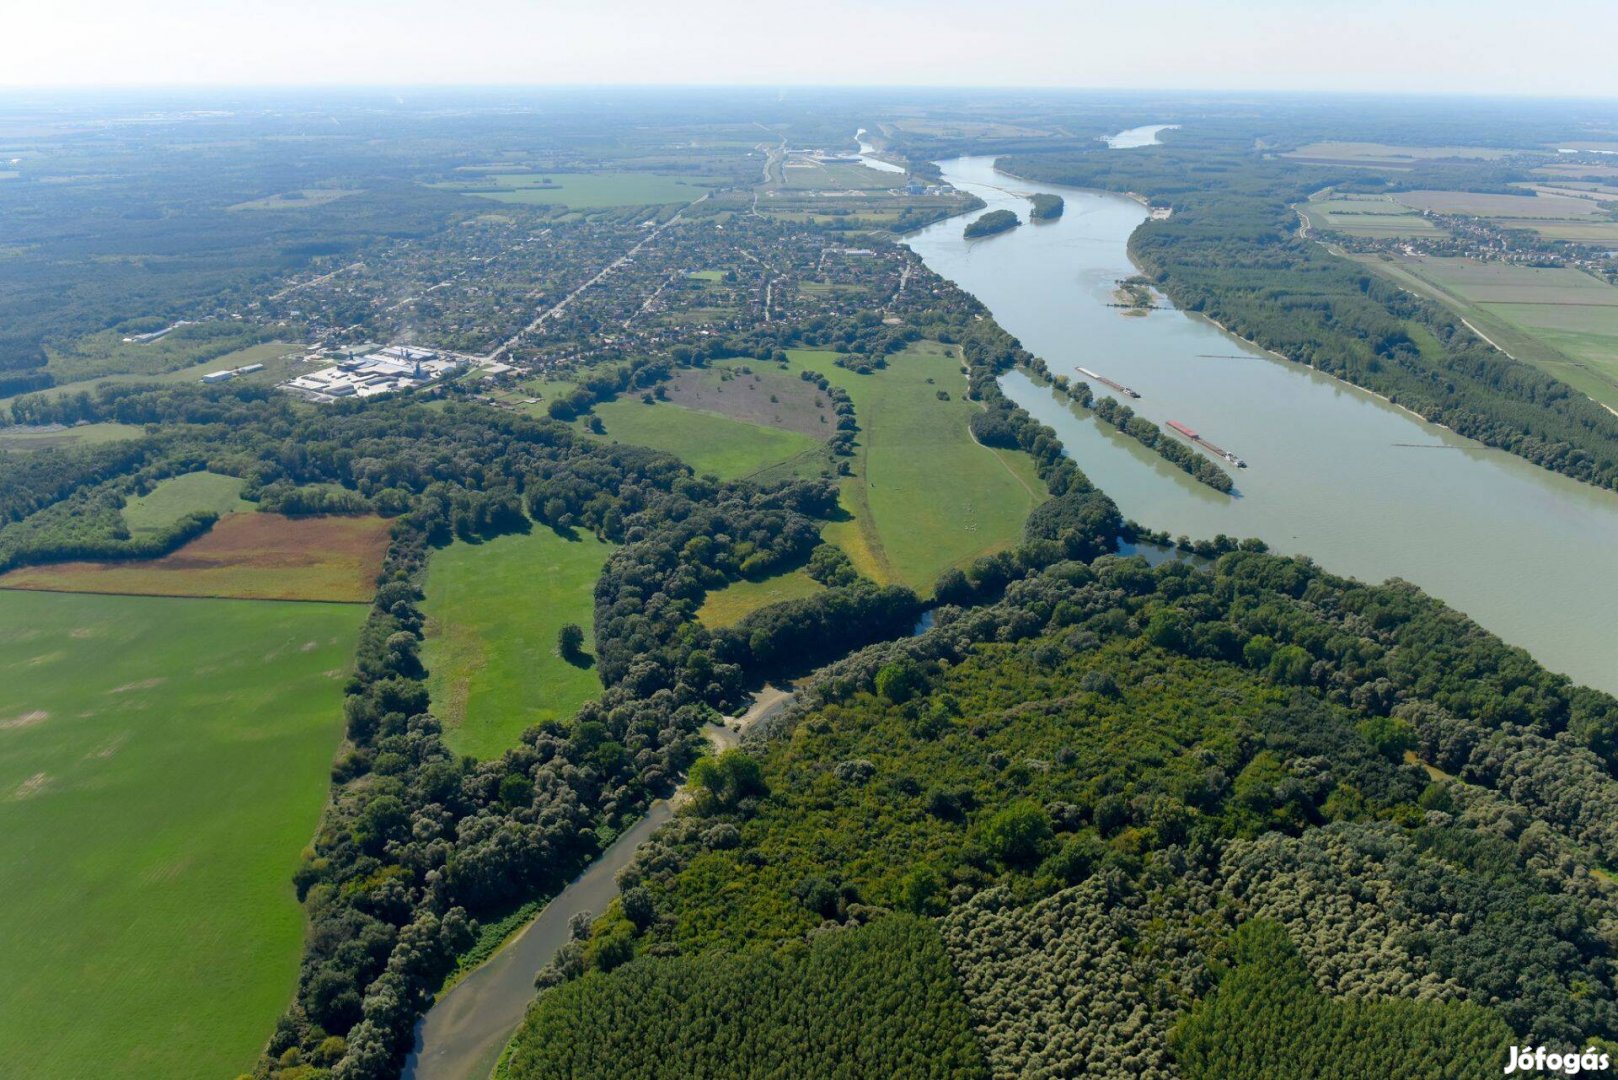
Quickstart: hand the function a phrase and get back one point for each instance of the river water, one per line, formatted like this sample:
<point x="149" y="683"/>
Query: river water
<point x="1363" y="487"/>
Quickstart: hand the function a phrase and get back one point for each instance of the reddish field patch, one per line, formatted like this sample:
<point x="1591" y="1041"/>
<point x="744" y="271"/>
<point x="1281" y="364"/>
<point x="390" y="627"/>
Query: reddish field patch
<point x="756" y="394"/>
<point x="244" y="556"/>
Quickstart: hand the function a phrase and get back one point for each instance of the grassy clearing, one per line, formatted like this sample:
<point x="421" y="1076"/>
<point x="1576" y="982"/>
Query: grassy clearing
<point x="733" y="603"/>
<point x="710" y="442"/>
<point x="174" y="498"/>
<point x="1561" y="320"/>
<point x="1374" y="216"/>
<point x="107" y="353"/>
<point x="1481" y="204"/>
<point x="28" y="439"/>
<point x="244" y="556"/>
<point x="755" y="392"/>
<point x="589" y="191"/>
<point x="493" y="613"/>
<point x="303" y="199"/>
<point x="162" y="763"/>
<point x="924" y="496"/>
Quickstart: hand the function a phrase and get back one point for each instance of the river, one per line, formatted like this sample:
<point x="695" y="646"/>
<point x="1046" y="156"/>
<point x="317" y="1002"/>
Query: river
<point x="1365" y="488"/>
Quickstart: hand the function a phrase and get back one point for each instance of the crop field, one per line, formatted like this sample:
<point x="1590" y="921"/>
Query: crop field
<point x="47" y="438"/>
<point x="1514" y="207"/>
<point x="736" y="601"/>
<point x="1372" y="216"/>
<point x="1364" y="153"/>
<point x="924" y="495"/>
<point x="174" y="498"/>
<point x="590" y="191"/>
<point x="493" y="613"/>
<point x="244" y="556"/>
<point x="1561" y="320"/>
<point x="162" y="763"/>
<point x="709" y="442"/>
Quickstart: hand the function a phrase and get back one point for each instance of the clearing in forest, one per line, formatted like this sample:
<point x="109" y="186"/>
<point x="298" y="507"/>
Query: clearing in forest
<point x="924" y="495"/>
<point x="493" y="613"/>
<point x="162" y="763"/>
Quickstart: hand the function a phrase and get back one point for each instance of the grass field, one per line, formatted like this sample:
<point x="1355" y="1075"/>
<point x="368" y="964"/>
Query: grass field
<point x="107" y="353"/>
<point x="736" y="601"/>
<point x="1561" y="320"/>
<point x="1374" y="216"/>
<point x="1482" y="204"/>
<point x="924" y="496"/>
<point x="303" y="199"/>
<point x="757" y="393"/>
<point x="27" y="439"/>
<point x="493" y="612"/>
<point x="174" y="498"/>
<point x="279" y="360"/>
<point x="589" y="191"/>
<point x="710" y="442"/>
<point x="162" y="763"/>
<point x="244" y="556"/>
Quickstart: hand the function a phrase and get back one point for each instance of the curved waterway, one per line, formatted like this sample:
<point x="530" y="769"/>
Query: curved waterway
<point x="1362" y="486"/>
<point x="466" y="1030"/>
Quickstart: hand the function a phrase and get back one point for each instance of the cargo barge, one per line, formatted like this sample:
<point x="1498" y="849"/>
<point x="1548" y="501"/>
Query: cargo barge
<point x="1118" y="386"/>
<point x="1212" y="448"/>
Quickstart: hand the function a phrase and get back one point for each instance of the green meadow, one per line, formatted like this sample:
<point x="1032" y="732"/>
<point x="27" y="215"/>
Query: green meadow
<point x="493" y="613"/>
<point x="174" y="498"/>
<point x="731" y="604"/>
<point x="924" y="495"/>
<point x="709" y="442"/>
<point x="162" y="764"/>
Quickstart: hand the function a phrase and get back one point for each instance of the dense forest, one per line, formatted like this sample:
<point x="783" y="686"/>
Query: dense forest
<point x="995" y="221"/>
<point x="1294" y="819"/>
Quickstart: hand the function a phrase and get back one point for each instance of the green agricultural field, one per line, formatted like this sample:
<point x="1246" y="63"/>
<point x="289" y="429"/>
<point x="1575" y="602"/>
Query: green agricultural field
<point x="493" y="613"/>
<point x="736" y="601"/>
<point x="924" y="495"/>
<point x="1364" y="153"/>
<point x="1374" y="216"/>
<point x="1561" y="320"/>
<point x="174" y="498"/>
<point x="83" y="435"/>
<point x="162" y="764"/>
<point x="590" y="191"/>
<point x="708" y="441"/>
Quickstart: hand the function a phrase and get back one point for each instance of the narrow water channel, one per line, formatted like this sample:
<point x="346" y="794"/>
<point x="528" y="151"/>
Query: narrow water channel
<point x="1364" y="487"/>
<point x="466" y="1030"/>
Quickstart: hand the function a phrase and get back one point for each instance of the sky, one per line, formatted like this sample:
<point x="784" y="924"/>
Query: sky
<point x="1495" y="47"/>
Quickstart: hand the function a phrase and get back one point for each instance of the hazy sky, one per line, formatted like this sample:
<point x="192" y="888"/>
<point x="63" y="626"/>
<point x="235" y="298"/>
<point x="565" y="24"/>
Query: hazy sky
<point x="1470" y="46"/>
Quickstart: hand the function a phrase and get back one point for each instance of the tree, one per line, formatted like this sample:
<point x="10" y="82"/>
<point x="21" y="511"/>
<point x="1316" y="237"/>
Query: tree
<point x="570" y="642"/>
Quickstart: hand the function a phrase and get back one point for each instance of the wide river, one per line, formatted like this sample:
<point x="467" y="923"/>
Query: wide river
<point x="1363" y="487"/>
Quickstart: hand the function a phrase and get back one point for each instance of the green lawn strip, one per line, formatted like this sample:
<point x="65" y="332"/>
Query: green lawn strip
<point x="162" y="764"/>
<point x="493" y="613"/>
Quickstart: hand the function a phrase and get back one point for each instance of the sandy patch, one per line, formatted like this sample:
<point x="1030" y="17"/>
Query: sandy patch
<point x="144" y="684"/>
<point x="29" y="787"/>
<point x="22" y="720"/>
